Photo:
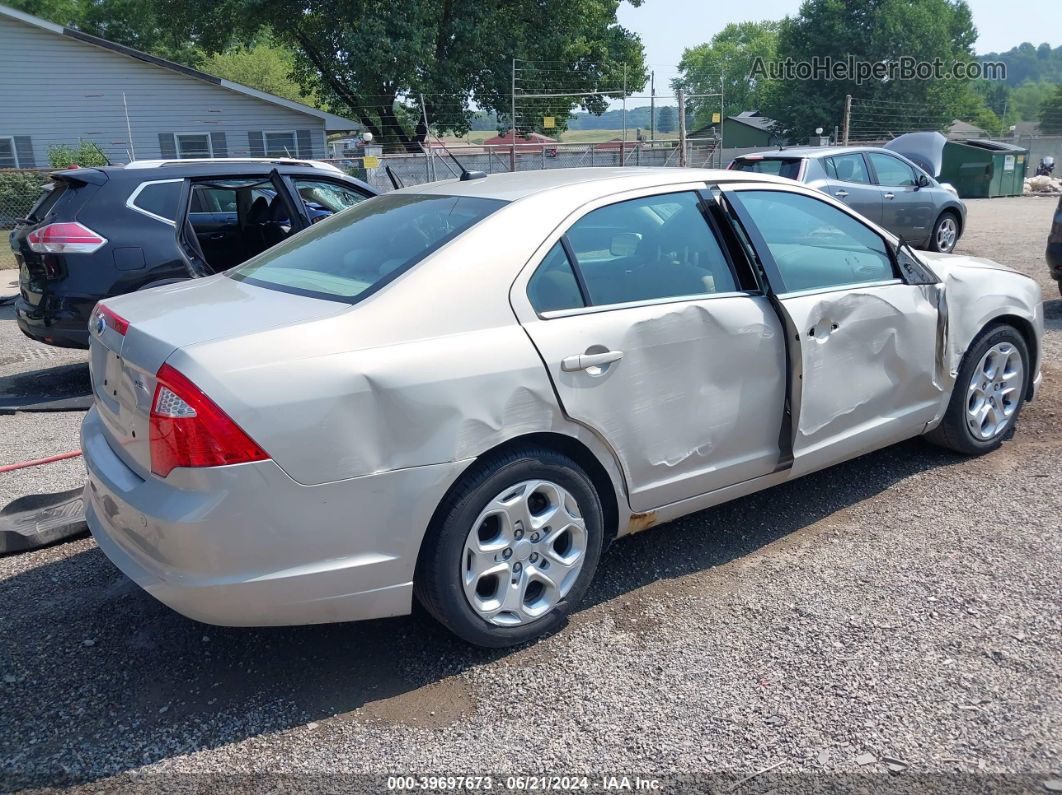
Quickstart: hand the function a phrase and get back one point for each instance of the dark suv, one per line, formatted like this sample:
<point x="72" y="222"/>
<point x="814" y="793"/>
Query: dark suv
<point x="98" y="232"/>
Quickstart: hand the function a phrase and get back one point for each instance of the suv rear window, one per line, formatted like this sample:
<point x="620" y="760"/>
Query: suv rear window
<point x="782" y="167"/>
<point x="47" y="200"/>
<point x="357" y="251"/>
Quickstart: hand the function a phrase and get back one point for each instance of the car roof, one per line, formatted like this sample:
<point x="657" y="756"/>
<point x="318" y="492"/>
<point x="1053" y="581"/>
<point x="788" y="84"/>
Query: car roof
<point x="272" y="161"/>
<point x="510" y="186"/>
<point x="813" y="151"/>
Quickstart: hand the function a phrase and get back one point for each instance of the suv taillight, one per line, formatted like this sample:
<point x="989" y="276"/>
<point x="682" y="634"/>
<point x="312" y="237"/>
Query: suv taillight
<point x="187" y="429"/>
<point x="67" y="237"/>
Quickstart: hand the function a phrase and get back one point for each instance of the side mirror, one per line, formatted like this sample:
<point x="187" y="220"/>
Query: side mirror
<point x="922" y="181"/>
<point x="624" y="244"/>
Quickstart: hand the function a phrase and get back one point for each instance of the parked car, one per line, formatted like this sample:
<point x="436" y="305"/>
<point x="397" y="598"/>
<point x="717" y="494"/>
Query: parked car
<point x="100" y="232"/>
<point x="1054" y="246"/>
<point x="463" y="391"/>
<point x="883" y="186"/>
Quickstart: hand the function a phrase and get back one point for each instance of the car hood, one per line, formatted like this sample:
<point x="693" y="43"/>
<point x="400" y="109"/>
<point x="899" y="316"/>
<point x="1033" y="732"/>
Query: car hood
<point x="174" y="316"/>
<point x="925" y="149"/>
<point x="946" y="264"/>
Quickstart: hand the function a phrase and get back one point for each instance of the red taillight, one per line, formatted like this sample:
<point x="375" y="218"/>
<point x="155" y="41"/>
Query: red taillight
<point x="189" y="430"/>
<point x="68" y="237"/>
<point x="111" y="318"/>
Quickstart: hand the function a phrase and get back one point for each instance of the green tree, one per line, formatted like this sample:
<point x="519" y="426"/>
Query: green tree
<point x="725" y="63"/>
<point x="665" y="119"/>
<point x="1051" y="113"/>
<point x="264" y="64"/>
<point x="369" y="59"/>
<point x="877" y="31"/>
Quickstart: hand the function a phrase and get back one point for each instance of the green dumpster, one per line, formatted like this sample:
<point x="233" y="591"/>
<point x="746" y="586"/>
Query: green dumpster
<point x="980" y="168"/>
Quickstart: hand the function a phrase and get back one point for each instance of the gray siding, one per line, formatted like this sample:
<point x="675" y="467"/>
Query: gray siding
<point x="57" y="90"/>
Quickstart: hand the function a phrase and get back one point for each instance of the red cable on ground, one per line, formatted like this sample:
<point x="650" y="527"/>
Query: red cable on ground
<point x="38" y="461"/>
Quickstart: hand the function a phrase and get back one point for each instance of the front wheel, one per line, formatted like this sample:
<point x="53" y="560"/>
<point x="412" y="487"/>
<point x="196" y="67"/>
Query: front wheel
<point x="945" y="233"/>
<point x="512" y="549"/>
<point x="988" y="393"/>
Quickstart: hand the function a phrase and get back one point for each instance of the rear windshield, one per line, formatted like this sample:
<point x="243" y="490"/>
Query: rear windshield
<point x="356" y="252"/>
<point x="47" y="200"/>
<point x="782" y="167"/>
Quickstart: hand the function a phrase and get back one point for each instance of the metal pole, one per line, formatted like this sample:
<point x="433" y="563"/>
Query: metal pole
<point x="847" y="116"/>
<point x="722" y="117"/>
<point x="427" y="141"/>
<point x="129" y="128"/>
<point x="682" y="129"/>
<point x="652" y="106"/>
<point x="623" y="143"/>
<point x="512" y="125"/>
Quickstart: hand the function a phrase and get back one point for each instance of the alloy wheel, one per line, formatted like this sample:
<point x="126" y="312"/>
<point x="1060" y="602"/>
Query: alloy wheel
<point x="523" y="553"/>
<point x="947" y="234"/>
<point x="994" y="393"/>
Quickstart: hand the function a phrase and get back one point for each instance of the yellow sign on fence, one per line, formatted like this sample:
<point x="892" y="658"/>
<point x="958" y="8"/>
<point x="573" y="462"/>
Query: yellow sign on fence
<point x="370" y="161"/>
<point x="549" y="122"/>
<point x="715" y="118"/>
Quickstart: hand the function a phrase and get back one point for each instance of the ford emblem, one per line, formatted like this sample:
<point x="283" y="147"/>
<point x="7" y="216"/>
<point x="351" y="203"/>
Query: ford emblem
<point x="101" y="323"/>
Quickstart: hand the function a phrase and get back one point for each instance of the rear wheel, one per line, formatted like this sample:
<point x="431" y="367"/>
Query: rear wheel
<point x="513" y="548"/>
<point x="945" y="233"/>
<point x="988" y="393"/>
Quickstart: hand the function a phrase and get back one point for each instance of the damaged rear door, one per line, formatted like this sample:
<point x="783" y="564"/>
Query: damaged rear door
<point x="655" y="340"/>
<point x="866" y="374"/>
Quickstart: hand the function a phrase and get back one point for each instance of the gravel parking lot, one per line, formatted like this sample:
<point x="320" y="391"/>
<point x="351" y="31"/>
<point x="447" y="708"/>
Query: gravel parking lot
<point x="905" y="606"/>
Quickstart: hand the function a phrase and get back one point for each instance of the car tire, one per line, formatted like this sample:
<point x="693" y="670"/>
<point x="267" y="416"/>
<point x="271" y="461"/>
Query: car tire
<point x="959" y="430"/>
<point x="946" y="232"/>
<point x="483" y="552"/>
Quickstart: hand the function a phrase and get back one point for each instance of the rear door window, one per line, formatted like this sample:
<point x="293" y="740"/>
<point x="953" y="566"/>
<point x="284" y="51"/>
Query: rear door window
<point x="851" y="168"/>
<point x="353" y="253"/>
<point x="628" y="252"/>
<point x="788" y="167"/>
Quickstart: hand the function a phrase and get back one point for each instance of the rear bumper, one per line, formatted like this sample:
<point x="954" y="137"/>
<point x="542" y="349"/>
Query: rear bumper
<point x="245" y="545"/>
<point x="62" y="322"/>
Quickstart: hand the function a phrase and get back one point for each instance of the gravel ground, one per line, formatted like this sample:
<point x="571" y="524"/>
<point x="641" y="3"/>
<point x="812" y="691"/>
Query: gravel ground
<point x="902" y="606"/>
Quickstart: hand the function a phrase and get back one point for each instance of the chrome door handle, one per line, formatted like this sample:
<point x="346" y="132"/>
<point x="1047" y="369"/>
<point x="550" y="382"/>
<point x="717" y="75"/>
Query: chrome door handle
<point x="584" y="361"/>
<point x="841" y="193"/>
<point x="890" y="195"/>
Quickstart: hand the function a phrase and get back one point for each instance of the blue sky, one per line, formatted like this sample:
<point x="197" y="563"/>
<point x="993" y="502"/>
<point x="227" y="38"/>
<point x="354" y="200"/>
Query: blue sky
<point x="667" y="27"/>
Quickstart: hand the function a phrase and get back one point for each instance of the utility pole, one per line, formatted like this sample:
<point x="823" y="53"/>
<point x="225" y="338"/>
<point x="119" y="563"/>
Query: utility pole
<point x="847" y="121"/>
<point x="682" y="129"/>
<point x="652" y="106"/>
<point x="426" y="146"/>
<point x="512" y="124"/>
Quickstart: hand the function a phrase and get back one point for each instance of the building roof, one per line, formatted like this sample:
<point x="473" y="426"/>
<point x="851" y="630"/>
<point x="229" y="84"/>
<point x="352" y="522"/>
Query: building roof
<point x="331" y="121"/>
<point x="963" y="129"/>
<point x="529" y="138"/>
<point x="753" y="118"/>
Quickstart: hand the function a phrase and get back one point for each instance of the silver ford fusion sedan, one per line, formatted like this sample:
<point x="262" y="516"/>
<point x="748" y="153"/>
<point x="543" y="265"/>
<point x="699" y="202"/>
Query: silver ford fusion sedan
<point x="461" y="392"/>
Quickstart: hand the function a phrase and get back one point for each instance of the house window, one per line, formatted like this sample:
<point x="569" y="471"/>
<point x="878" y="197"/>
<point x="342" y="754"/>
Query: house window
<point x="281" y="144"/>
<point x="193" y="145"/>
<point x="8" y="155"/>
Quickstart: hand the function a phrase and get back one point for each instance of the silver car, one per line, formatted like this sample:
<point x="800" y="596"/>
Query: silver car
<point x="463" y="391"/>
<point x="881" y="185"/>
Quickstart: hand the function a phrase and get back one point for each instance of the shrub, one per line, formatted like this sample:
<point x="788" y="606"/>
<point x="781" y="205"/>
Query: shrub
<point x="86" y="153"/>
<point x="19" y="191"/>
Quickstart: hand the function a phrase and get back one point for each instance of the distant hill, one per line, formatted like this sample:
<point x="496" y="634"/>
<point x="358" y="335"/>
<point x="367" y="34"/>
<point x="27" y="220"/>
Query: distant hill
<point x="1029" y="62"/>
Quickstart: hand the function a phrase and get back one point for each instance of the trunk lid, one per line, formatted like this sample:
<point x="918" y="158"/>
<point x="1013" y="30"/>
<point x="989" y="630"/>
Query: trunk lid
<point x="163" y="319"/>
